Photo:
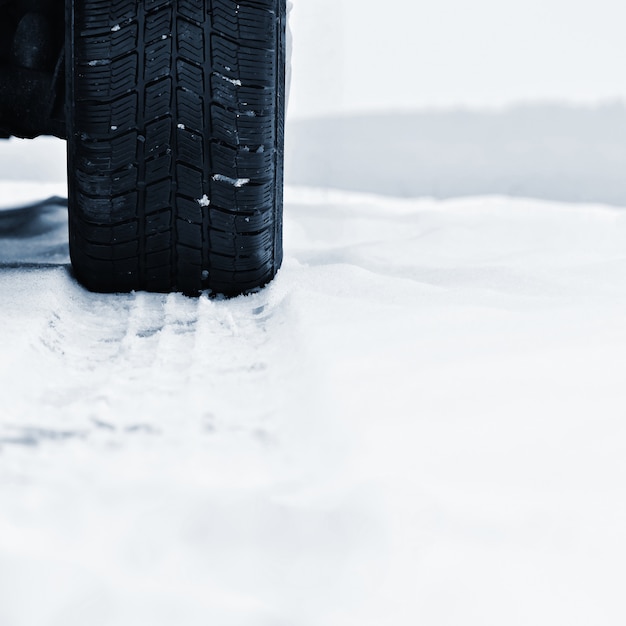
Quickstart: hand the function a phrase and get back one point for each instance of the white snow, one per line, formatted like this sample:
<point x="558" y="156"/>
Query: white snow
<point x="420" y="421"/>
<point x="235" y="182"/>
<point x="233" y="81"/>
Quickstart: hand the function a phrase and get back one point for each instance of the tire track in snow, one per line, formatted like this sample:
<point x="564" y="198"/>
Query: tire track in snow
<point x="107" y="365"/>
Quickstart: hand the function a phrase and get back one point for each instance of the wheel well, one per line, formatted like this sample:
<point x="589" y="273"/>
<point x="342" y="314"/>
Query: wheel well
<point x="32" y="35"/>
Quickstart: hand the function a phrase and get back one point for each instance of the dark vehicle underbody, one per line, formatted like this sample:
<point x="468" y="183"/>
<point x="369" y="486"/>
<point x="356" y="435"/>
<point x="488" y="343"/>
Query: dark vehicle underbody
<point x="32" y="73"/>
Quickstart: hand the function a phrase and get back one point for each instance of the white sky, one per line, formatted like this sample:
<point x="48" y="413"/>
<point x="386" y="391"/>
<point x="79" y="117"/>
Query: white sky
<point x="355" y="55"/>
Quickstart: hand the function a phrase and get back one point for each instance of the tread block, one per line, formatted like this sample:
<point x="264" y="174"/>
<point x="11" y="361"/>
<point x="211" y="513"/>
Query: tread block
<point x="105" y="16"/>
<point x="158" y="59"/>
<point x="101" y="49"/>
<point x="158" y="168"/>
<point x="190" y="77"/>
<point x="101" y="119"/>
<point x="158" y="222"/>
<point x="190" y="147"/>
<point x="105" y="82"/>
<point x="241" y="222"/>
<point x="242" y="64"/>
<point x="246" y="198"/>
<point x="236" y="129"/>
<point x="104" y="185"/>
<point x="192" y="10"/>
<point x="246" y="162"/>
<point x="230" y="94"/>
<point x="158" y="197"/>
<point x="190" y="210"/>
<point x="190" y="182"/>
<point x="106" y="211"/>
<point x="158" y="26"/>
<point x="158" y="136"/>
<point x="117" y="233"/>
<point x="158" y="99"/>
<point x="250" y="23"/>
<point x="190" y="39"/>
<point x="104" y="158"/>
<point x="189" y="234"/>
<point x="190" y="107"/>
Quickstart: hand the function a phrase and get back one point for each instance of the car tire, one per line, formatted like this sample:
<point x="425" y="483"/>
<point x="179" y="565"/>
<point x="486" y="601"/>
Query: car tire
<point x="175" y="115"/>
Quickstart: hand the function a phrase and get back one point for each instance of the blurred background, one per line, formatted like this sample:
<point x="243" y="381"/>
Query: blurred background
<point x="454" y="98"/>
<point x="445" y="99"/>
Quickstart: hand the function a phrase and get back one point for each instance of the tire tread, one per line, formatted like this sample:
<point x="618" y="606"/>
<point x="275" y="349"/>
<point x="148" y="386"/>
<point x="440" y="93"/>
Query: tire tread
<point x="173" y="100"/>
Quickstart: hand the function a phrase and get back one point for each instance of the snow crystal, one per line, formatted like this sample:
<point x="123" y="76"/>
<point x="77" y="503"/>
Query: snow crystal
<point x="232" y="81"/>
<point x="115" y="28"/>
<point x="204" y="201"/>
<point x="235" y="182"/>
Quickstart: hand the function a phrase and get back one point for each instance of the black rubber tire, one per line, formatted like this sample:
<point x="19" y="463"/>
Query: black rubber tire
<point x="175" y="143"/>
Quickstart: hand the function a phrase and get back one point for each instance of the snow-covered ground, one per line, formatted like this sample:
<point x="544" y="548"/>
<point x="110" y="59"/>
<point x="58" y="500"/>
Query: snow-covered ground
<point x="420" y="421"/>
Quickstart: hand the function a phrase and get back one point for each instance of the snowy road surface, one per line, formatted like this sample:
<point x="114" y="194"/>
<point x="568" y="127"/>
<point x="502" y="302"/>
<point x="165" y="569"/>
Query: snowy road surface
<point x="421" y="421"/>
